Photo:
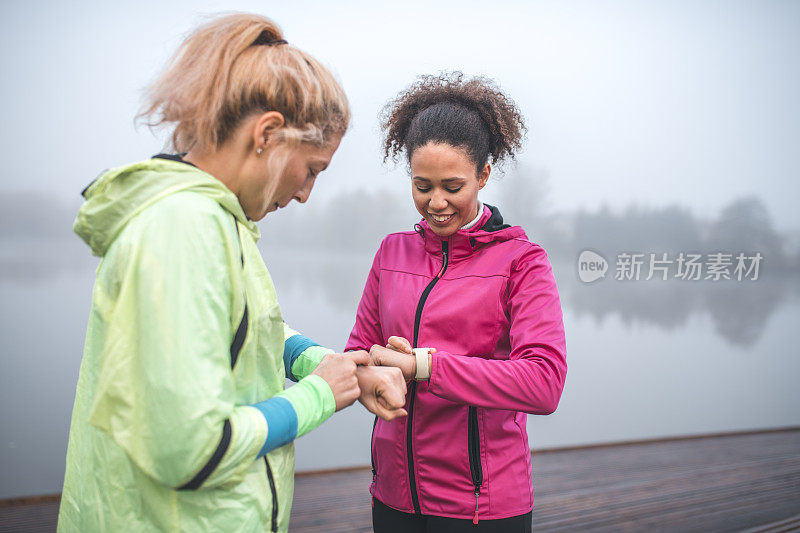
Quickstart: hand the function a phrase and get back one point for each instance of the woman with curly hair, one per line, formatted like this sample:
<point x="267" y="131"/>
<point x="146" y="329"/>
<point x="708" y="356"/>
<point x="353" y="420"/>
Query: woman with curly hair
<point x="467" y="307"/>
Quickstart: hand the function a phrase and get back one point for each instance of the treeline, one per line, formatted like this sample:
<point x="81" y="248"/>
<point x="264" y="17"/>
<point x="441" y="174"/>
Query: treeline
<point x="356" y="222"/>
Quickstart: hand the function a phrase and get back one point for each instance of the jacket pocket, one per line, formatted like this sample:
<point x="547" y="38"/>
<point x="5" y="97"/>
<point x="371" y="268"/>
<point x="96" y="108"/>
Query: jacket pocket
<point x="474" y="450"/>
<point x="271" y="479"/>
<point x="372" y="451"/>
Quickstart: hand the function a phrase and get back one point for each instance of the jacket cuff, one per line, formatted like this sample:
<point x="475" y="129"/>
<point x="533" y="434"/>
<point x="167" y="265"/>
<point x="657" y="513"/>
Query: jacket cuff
<point x="434" y="381"/>
<point x="281" y="421"/>
<point x="313" y="401"/>
<point x="307" y="361"/>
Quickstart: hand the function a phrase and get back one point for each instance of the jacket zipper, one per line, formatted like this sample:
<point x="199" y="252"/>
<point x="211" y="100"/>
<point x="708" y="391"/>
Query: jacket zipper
<point x="474" y="450"/>
<point x="274" y="496"/>
<point x="372" y="456"/>
<point x="412" y="480"/>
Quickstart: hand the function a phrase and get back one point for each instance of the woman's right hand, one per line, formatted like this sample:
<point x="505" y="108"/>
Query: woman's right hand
<point x="383" y="391"/>
<point x="339" y="371"/>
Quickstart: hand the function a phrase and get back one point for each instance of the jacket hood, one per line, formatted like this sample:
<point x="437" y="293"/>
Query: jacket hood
<point x="121" y="193"/>
<point x="490" y="228"/>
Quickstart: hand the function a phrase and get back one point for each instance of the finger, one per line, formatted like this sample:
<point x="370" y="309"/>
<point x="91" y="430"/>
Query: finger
<point x="400" y="344"/>
<point x="390" y="415"/>
<point x="382" y="401"/>
<point x="374" y="357"/>
<point x="393" y="396"/>
<point x="360" y="357"/>
<point x="383" y="412"/>
<point x="381" y="356"/>
<point x="388" y="405"/>
<point x="392" y="357"/>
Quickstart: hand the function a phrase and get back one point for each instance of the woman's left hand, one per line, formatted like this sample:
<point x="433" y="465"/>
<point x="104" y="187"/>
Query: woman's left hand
<point x="400" y="344"/>
<point x="406" y="362"/>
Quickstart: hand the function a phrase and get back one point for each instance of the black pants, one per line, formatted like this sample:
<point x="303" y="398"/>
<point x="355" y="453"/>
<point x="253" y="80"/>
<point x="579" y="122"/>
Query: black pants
<point x="388" y="520"/>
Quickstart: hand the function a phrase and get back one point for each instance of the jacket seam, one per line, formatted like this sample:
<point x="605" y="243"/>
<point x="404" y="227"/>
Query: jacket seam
<point x="522" y="439"/>
<point x="477" y="276"/>
<point x="405" y="272"/>
<point x="446" y="277"/>
<point x="514" y="264"/>
<point x="485" y="453"/>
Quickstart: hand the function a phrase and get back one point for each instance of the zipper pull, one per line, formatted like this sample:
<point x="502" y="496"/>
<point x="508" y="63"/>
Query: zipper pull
<point x="475" y="518"/>
<point x="445" y="249"/>
<point x="372" y="496"/>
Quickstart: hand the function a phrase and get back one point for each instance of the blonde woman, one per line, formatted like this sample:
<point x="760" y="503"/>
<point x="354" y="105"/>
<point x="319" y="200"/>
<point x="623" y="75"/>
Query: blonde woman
<point x="181" y="421"/>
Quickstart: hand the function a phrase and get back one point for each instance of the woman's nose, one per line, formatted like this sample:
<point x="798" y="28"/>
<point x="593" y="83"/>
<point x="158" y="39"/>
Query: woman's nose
<point x="303" y="194"/>
<point x="437" y="202"/>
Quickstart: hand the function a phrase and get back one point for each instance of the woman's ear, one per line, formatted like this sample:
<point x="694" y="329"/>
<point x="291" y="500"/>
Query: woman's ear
<point x="483" y="177"/>
<point x="264" y="125"/>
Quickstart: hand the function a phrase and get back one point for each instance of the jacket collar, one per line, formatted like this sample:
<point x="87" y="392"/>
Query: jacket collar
<point x="462" y="243"/>
<point x="119" y="194"/>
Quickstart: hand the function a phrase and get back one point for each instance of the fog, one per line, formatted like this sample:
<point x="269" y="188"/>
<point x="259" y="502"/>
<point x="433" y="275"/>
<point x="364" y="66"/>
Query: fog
<point x="654" y="128"/>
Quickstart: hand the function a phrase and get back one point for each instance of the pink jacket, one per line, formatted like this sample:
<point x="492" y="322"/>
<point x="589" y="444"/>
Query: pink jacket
<point x="486" y="299"/>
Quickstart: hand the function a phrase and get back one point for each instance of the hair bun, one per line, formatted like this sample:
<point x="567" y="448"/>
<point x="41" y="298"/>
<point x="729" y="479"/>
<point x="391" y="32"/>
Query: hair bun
<point x="268" y="38"/>
<point x="467" y="112"/>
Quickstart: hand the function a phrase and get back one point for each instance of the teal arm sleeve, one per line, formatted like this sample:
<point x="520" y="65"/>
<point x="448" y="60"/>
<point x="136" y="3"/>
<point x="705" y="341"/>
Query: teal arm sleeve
<point x="281" y="423"/>
<point x="301" y="355"/>
<point x="296" y="411"/>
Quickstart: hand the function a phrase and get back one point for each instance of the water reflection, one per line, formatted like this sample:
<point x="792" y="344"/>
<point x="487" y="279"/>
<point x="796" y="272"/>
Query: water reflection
<point x="336" y="262"/>
<point x="36" y="240"/>
<point x="333" y="258"/>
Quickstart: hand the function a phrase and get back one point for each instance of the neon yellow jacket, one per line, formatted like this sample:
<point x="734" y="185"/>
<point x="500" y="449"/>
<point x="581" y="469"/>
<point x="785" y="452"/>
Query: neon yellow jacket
<point x="165" y="435"/>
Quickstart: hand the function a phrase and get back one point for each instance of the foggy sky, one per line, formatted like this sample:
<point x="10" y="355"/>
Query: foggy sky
<point x="688" y="103"/>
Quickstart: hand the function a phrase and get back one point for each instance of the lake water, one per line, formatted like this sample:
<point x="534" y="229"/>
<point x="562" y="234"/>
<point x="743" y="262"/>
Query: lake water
<point x="646" y="359"/>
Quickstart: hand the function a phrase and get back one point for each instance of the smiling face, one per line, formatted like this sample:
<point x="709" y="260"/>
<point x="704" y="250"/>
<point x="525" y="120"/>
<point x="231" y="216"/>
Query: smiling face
<point x="445" y="186"/>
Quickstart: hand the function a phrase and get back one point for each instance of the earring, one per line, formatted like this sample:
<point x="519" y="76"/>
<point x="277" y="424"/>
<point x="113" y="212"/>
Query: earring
<point x="259" y="150"/>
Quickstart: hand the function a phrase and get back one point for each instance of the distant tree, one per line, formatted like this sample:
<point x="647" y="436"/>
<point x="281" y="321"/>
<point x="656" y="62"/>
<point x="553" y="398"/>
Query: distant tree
<point x="746" y="226"/>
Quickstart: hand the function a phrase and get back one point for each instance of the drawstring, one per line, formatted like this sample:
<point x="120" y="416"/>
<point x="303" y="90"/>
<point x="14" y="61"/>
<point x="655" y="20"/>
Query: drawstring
<point x="419" y="229"/>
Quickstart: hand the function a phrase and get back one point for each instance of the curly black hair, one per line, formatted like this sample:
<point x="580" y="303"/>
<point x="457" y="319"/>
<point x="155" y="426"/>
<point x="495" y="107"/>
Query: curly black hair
<point x="467" y="113"/>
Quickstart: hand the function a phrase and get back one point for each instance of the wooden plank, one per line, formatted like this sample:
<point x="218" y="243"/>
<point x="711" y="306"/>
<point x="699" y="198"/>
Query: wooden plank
<point x="737" y="482"/>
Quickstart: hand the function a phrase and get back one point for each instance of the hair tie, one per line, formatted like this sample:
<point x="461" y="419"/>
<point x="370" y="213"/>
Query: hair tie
<point x="266" y="38"/>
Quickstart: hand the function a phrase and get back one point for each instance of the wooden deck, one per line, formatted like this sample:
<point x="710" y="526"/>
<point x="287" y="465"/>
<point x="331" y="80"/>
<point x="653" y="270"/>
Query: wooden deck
<point x="746" y="482"/>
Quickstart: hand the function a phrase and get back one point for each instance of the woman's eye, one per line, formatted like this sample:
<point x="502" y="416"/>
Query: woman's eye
<point x="423" y="189"/>
<point x="452" y="190"/>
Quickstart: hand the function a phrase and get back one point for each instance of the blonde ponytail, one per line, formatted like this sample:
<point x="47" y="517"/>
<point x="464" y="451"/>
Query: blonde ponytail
<point x="233" y="67"/>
